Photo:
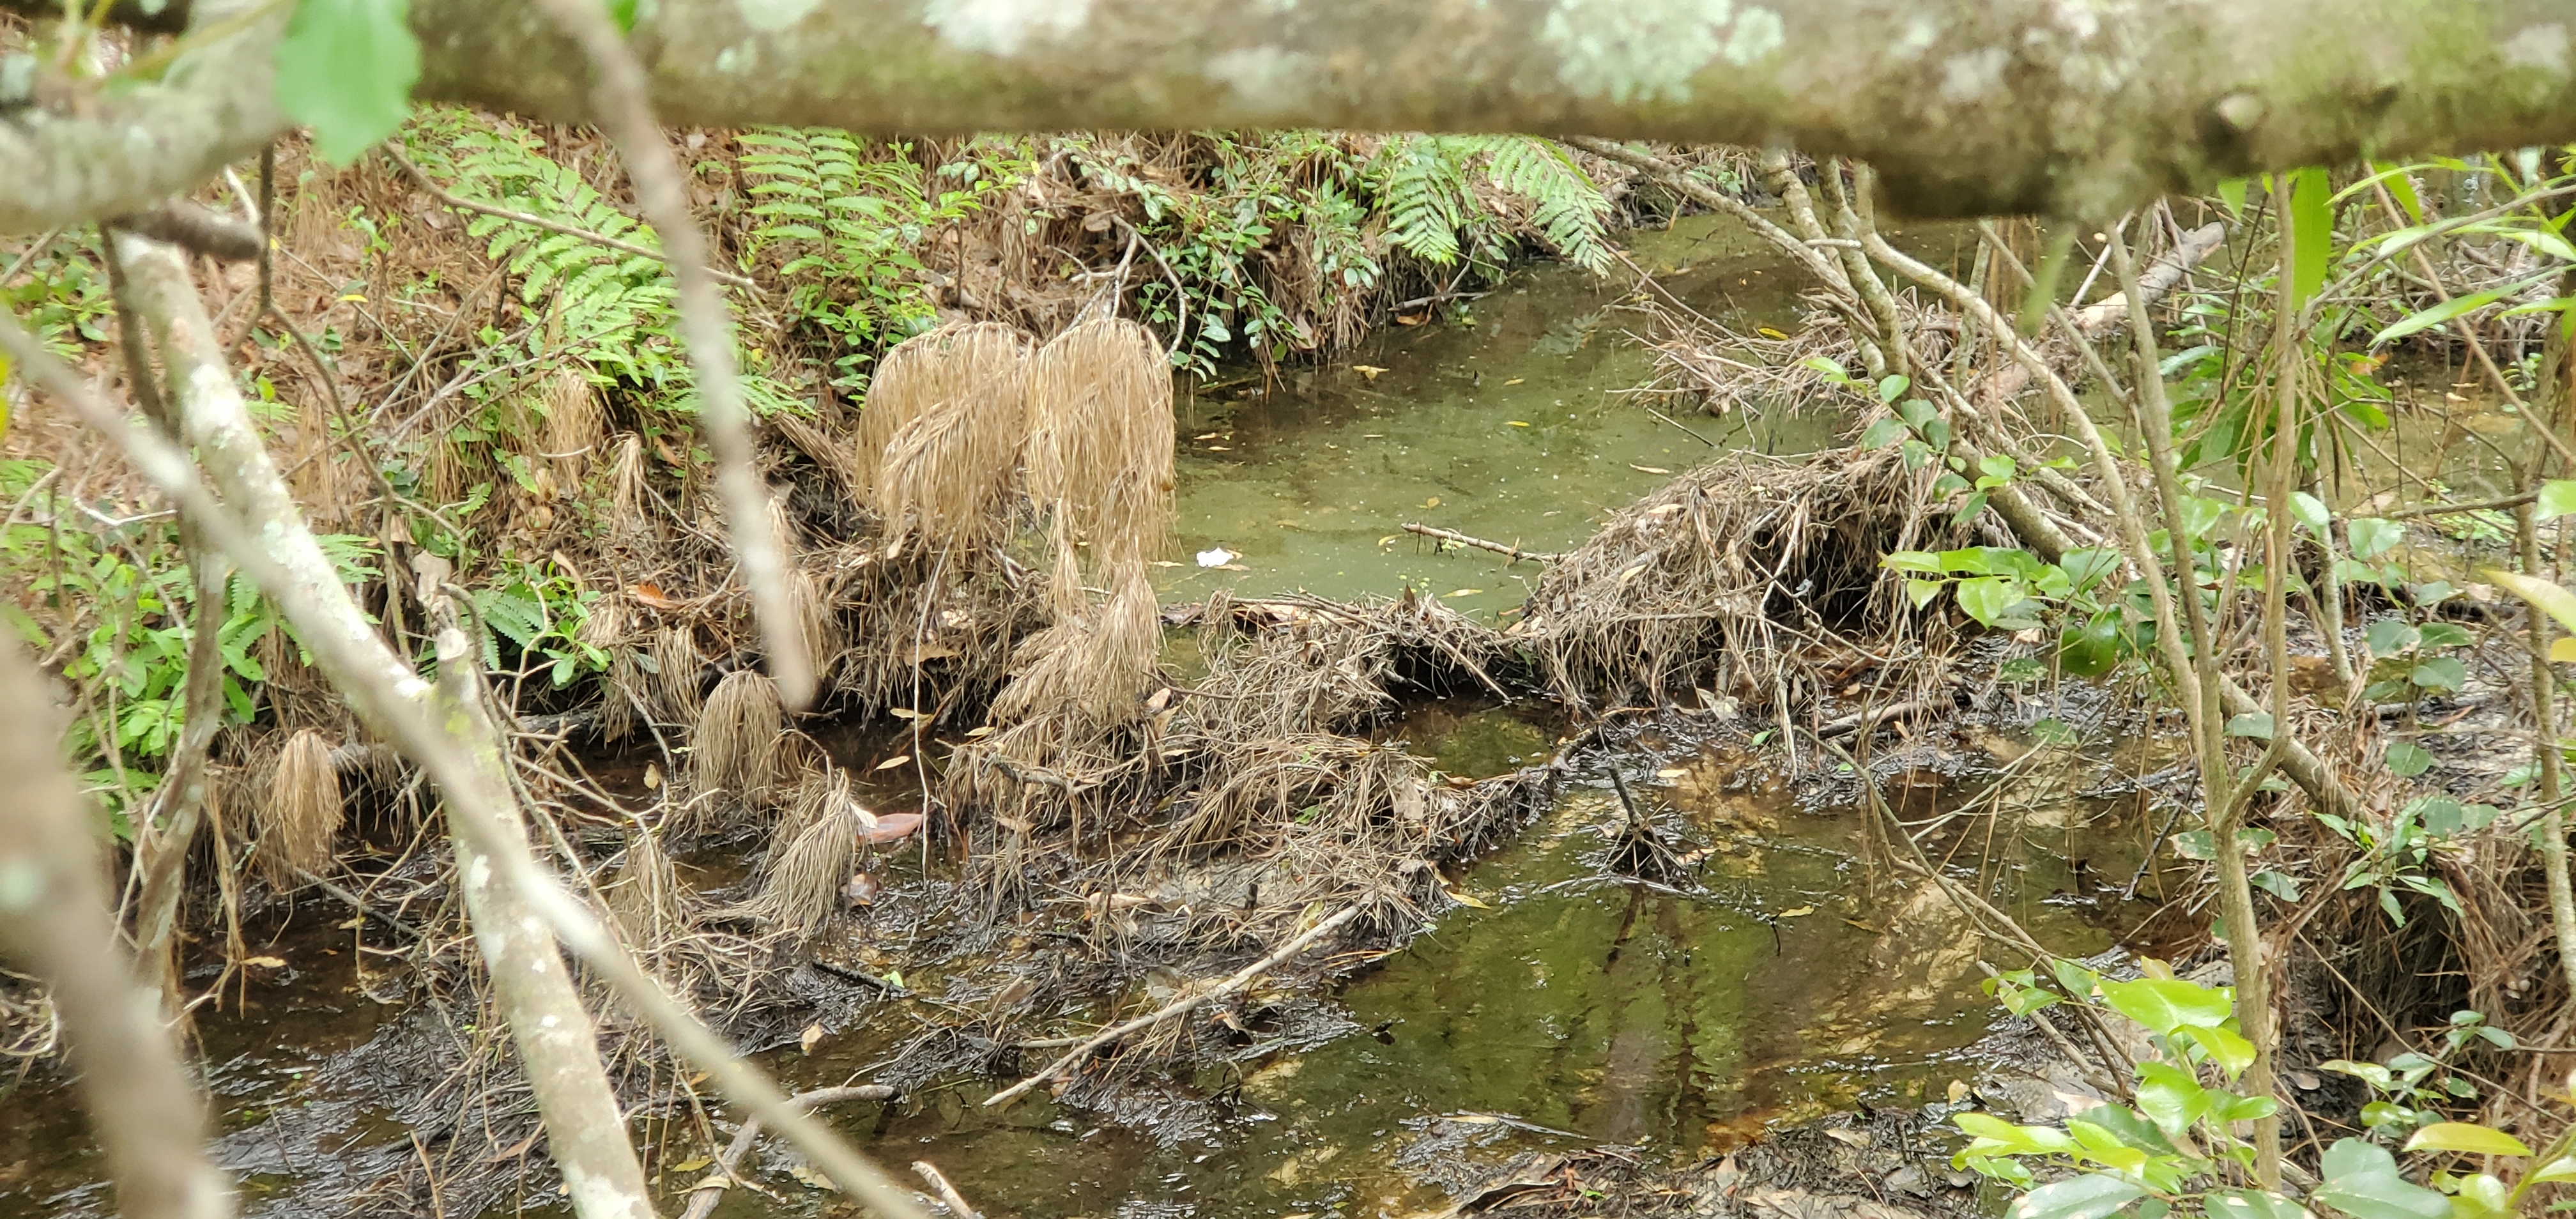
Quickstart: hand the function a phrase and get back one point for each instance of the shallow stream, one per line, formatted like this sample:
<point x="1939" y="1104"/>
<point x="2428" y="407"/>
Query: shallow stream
<point x="1781" y="973"/>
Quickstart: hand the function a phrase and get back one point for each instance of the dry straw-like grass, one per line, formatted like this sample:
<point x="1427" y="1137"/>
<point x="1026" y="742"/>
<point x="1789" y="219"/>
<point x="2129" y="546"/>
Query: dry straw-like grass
<point x="1100" y="438"/>
<point x="737" y="736"/>
<point x="1738" y="578"/>
<point x="632" y="522"/>
<point x="302" y="813"/>
<point x="643" y="894"/>
<point x="940" y="438"/>
<point x="815" y="617"/>
<point x="1092" y="667"/>
<point x="676" y="668"/>
<point x="574" y="425"/>
<point x="802" y="887"/>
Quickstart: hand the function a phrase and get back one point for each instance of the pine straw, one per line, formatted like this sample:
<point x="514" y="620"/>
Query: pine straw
<point x="301" y="816"/>
<point x="1743" y="578"/>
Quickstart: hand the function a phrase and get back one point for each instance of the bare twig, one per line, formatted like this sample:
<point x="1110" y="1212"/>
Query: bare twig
<point x="626" y="112"/>
<point x="1515" y="553"/>
<point x="197" y="228"/>
<point x="1179" y="1007"/>
<point x="1685" y="430"/>
<point x="948" y="1195"/>
<point x="54" y="916"/>
<point x="162" y="838"/>
<point x="421" y="179"/>
<point x="703" y="1199"/>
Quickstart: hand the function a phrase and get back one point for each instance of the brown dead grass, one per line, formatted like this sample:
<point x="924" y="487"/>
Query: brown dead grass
<point x="300" y="818"/>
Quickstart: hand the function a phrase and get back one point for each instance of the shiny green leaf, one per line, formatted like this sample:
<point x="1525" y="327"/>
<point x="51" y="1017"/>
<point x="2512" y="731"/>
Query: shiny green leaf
<point x="2166" y="1004"/>
<point x="345" y="69"/>
<point x="2467" y="1137"/>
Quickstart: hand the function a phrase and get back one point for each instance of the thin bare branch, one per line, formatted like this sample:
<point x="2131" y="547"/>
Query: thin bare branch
<point x="391" y="700"/>
<point x="626" y="111"/>
<point x="54" y="916"/>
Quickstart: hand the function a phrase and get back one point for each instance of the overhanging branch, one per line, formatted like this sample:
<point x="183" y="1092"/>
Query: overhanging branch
<point x="1964" y="106"/>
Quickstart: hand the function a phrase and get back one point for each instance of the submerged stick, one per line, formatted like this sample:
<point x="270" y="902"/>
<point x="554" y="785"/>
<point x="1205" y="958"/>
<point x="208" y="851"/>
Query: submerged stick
<point x="1855" y="722"/>
<point x="1516" y="553"/>
<point x="703" y="1199"/>
<point x="1179" y="1007"/>
<point x="948" y="1195"/>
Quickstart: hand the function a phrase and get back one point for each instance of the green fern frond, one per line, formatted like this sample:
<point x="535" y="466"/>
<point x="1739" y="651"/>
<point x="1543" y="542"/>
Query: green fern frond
<point x="1566" y="208"/>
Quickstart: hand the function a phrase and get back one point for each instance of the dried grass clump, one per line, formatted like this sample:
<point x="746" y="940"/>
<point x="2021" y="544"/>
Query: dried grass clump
<point x="675" y="671"/>
<point x="938" y="442"/>
<point x="1735" y="577"/>
<point x="302" y="813"/>
<point x="737" y="736"/>
<point x="574" y="425"/>
<point x="802" y="887"/>
<point x="632" y="522"/>
<point x="1100" y="439"/>
<point x="796" y="765"/>
<point x="815" y="617"/>
<point x="643" y="894"/>
<point x="1093" y="666"/>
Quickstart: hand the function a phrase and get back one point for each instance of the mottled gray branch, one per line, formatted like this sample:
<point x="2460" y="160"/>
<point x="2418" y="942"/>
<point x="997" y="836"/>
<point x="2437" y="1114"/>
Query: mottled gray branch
<point x="391" y="701"/>
<point x="1965" y="107"/>
<point x="535" y="993"/>
<point x="54" y="917"/>
<point x="625" y="109"/>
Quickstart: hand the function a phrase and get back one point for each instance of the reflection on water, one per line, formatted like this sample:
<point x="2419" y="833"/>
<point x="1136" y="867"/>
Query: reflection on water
<point x="1782" y="976"/>
<point x="1508" y="425"/>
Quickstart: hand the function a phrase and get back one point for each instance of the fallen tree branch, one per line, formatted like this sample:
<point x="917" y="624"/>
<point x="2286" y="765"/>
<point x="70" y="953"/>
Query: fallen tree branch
<point x="1515" y="553"/>
<point x="195" y="227"/>
<point x="54" y="916"/>
<point x="535" y="993"/>
<point x="1179" y="1007"/>
<point x="625" y="110"/>
<point x="421" y="179"/>
<point x="703" y="1199"/>
<point x="390" y="700"/>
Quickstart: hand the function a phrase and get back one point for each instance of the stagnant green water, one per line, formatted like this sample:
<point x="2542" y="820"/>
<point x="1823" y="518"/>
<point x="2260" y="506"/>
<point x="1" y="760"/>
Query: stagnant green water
<point x="1512" y="425"/>
<point x="1779" y="979"/>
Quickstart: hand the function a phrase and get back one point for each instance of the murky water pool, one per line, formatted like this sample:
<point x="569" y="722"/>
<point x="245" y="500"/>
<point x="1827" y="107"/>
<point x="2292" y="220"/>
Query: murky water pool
<point x="1512" y="426"/>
